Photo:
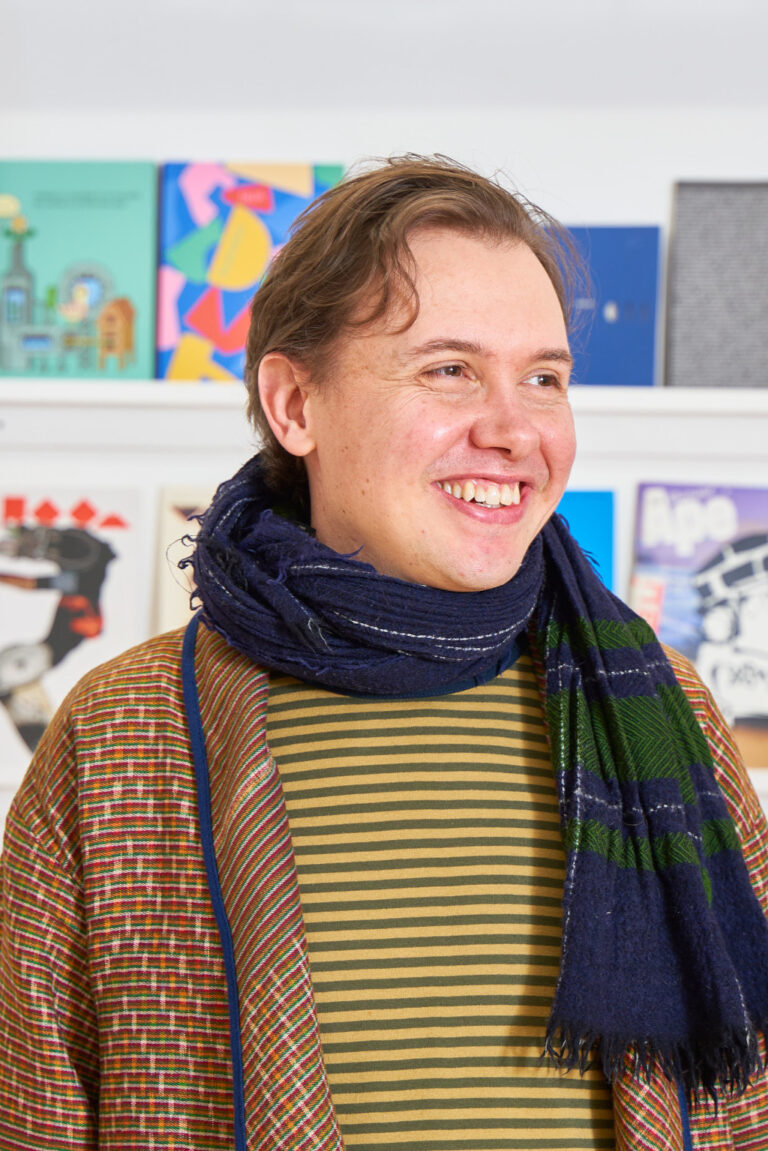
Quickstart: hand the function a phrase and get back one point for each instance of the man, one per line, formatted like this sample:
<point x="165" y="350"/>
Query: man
<point x="414" y="798"/>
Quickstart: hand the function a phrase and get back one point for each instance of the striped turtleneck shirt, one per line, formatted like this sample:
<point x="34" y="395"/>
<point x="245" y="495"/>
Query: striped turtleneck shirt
<point x="430" y="865"/>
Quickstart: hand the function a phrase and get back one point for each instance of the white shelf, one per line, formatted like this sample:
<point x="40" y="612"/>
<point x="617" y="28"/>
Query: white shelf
<point x="109" y="393"/>
<point x="140" y="417"/>
<point x="721" y="402"/>
<point x="725" y="402"/>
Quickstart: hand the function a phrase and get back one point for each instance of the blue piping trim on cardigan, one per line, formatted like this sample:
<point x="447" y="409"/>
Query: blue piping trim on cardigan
<point x="197" y="739"/>
<point x="687" y="1137"/>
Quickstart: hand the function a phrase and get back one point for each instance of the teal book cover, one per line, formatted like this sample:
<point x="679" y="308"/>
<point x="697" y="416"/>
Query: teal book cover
<point x="78" y="252"/>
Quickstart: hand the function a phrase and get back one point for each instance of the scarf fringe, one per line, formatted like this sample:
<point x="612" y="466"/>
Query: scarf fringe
<point x="729" y="1071"/>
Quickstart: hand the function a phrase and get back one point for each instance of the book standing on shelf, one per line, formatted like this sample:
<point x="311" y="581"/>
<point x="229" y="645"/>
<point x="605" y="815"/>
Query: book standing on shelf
<point x="700" y="578"/>
<point x="220" y="225"/>
<point x="614" y="337"/>
<point x="590" y="518"/>
<point x="77" y="269"/>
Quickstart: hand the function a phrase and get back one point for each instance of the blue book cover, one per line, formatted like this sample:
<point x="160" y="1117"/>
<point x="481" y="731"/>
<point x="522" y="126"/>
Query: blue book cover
<point x="78" y="250"/>
<point x="590" y="518"/>
<point x="614" y="338"/>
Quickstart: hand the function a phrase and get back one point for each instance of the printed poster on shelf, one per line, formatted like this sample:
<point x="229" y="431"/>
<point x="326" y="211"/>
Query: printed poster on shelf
<point x="78" y="250"/>
<point x="700" y="578"/>
<point x="590" y="519"/>
<point x="614" y="337"/>
<point x="69" y="574"/>
<point x="179" y="505"/>
<point x="220" y="225"/>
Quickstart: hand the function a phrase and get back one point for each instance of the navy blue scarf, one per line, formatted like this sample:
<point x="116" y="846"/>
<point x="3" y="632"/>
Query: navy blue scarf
<point x="665" y="947"/>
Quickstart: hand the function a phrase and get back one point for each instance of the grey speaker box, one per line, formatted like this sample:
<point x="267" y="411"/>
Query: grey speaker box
<point x="717" y="286"/>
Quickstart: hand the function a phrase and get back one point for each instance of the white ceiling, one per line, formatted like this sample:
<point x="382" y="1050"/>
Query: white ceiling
<point x="356" y="54"/>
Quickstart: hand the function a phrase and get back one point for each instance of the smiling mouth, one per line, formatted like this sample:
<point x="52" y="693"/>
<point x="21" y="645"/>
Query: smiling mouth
<point x="488" y="494"/>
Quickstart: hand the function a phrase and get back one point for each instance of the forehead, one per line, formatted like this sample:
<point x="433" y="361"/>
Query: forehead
<point x="470" y="287"/>
<point x="446" y="261"/>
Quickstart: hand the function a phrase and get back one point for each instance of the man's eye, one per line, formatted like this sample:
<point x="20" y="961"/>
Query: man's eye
<point x="448" y="371"/>
<point x="544" y="380"/>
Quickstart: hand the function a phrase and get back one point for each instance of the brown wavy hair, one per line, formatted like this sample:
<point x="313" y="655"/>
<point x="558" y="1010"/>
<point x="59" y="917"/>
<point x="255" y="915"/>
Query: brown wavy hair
<point x="347" y="260"/>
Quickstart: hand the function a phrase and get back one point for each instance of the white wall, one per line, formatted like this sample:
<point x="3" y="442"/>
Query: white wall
<point x="585" y="165"/>
<point x="594" y="108"/>
<point x="402" y="54"/>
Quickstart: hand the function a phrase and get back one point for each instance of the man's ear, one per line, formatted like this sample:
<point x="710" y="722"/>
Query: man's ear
<point x="283" y="391"/>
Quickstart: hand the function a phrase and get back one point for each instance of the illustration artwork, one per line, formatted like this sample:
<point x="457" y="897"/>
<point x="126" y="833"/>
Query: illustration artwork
<point x="701" y="580"/>
<point x="220" y="225"/>
<point x="67" y="566"/>
<point x="180" y="504"/>
<point x="77" y="269"/>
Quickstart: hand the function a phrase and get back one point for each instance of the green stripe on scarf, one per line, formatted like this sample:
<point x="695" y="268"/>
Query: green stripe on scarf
<point x="633" y="725"/>
<point x="651" y="853"/>
<point x="604" y="634"/>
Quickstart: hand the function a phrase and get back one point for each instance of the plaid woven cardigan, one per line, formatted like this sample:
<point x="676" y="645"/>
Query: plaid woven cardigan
<point x="116" y="1026"/>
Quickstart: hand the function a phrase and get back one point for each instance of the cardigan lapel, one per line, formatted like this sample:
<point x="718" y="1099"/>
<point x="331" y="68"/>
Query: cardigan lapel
<point x="287" y="1097"/>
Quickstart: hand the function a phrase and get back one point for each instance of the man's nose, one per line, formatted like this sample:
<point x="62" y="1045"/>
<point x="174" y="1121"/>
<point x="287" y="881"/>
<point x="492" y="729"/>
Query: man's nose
<point x="504" y="422"/>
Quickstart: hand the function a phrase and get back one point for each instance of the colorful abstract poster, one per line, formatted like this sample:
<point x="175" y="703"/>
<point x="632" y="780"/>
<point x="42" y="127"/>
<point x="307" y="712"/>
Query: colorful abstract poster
<point x="220" y="224"/>
<point x="69" y="574"/>
<point x="614" y="337"/>
<point x="78" y="244"/>
<point x="590" y="518"/>
<point x="700" y="578"/>
<point x="179" y="505"/>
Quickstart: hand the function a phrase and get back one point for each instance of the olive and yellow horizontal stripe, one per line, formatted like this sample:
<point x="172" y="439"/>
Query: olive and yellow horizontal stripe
<point x="430" y="864"/>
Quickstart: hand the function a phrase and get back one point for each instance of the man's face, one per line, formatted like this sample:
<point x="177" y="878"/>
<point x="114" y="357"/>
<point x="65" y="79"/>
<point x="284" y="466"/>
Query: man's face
<point x="440" y="451"/>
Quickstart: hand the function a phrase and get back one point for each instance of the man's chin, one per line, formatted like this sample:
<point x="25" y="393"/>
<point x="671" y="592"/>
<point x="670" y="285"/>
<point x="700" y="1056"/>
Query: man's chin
<point x="483" y="579"/>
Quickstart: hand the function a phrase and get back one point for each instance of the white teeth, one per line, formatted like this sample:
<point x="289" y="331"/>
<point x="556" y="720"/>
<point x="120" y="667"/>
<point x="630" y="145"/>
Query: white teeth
<point x="491" y="495"/>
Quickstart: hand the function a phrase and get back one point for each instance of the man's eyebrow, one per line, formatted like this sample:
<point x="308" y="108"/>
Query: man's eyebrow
<point x="556" y="355"/>
<point x="444" y="344"/>
<point x="559" y="355"/>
